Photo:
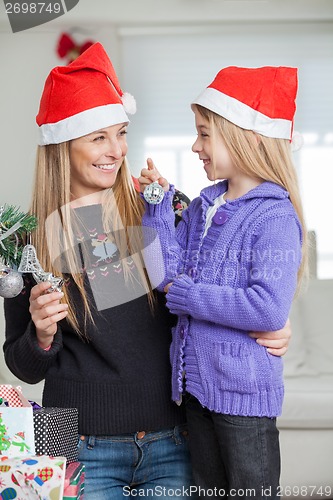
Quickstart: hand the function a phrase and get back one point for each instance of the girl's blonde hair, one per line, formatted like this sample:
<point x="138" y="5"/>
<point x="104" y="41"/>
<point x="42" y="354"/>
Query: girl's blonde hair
<point x="265" y="158"/>
<point x="122" y="210"/>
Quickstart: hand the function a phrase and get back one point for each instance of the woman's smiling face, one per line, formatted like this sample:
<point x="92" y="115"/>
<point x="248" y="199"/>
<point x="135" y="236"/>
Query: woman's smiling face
<point x="96" y="159"/>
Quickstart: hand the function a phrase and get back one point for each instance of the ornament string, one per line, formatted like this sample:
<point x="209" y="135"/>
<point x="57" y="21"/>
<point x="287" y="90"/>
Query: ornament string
<point x="10" y="231"/>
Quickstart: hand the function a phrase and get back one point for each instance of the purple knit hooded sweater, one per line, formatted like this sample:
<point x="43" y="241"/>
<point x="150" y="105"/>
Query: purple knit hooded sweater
<point x="241" y="277"/>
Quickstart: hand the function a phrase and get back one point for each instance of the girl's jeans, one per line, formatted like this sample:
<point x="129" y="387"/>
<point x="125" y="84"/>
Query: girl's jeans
<point x="239" y="456"/>
<point x="142" y="465"/>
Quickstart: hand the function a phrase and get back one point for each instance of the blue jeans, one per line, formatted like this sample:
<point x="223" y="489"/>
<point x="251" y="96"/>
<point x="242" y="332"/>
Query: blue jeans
<point x="145" y="464"/>
<point x="239" y="456"/>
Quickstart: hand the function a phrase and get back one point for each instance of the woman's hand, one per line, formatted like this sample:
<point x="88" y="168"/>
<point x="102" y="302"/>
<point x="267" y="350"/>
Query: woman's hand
<point x="276" y="342"/>
<point x="151" y="174"/>
<point x="46" y="310"/>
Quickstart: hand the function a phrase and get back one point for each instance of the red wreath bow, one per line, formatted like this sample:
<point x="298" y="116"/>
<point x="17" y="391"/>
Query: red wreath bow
<point x="68" y="48"/>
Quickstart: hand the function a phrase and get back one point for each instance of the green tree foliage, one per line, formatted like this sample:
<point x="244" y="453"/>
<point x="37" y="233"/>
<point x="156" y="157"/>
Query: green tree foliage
<point x="14" y="226"/>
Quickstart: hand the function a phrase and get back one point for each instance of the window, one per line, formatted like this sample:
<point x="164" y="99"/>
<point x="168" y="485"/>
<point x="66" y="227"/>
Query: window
<point x="316" y="181"/>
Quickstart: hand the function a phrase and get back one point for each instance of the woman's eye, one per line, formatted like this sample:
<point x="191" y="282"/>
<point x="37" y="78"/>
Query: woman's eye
<point x="99" y="138"/>
<point x="123" y="132"/>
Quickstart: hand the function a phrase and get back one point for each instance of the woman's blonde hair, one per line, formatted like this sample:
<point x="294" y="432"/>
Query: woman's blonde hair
<point x="265" y="158"/>
<point x="122" y="210"/>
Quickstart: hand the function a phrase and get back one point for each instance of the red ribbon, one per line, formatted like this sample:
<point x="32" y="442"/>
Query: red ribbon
<point x="68" y="48"/>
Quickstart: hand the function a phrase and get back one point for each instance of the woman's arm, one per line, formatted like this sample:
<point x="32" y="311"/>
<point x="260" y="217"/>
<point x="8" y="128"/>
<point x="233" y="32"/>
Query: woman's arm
<point x="24" y="347"/>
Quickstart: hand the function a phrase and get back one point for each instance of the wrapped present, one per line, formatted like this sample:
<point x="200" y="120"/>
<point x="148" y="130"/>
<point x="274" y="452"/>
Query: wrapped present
<point x="74" y="481"/>
<point x="56" y="432"/>
<point x="33" y="478"/>
<point x="13" y="395"/>
<point x="16" y="423"/>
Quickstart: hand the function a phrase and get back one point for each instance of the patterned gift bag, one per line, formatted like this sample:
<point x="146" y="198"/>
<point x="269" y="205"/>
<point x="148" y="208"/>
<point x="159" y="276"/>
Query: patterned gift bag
<point x="16" y="423"/>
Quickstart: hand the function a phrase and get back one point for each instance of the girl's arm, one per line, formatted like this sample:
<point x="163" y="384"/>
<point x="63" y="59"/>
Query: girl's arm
<point x="277" y="342"/>
<point x="265" y="303"/>
<point x="164" y="245"/>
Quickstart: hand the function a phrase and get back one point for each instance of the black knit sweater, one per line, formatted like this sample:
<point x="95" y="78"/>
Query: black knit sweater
<point x="120" y="379"/>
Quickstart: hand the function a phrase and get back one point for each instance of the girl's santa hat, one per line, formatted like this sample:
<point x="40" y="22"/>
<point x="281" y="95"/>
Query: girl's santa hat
<point x="258" y="99"/>
<point x="82" y="97"/>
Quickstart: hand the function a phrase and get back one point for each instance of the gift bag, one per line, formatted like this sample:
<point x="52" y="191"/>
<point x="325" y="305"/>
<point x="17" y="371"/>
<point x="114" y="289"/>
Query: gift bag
<point x="33" y="478"/>
<point x="16" y="423"/>
<point x="56" y="432"/>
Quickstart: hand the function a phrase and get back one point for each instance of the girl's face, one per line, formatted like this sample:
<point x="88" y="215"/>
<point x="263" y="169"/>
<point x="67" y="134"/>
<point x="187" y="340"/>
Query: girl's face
<point x="96" y="159"/>
<point x="223" y="167"/>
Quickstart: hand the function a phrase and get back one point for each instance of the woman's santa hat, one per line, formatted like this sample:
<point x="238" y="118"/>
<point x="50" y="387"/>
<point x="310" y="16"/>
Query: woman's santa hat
<point x="82" y="97"/>
<point x="258" y="99"/>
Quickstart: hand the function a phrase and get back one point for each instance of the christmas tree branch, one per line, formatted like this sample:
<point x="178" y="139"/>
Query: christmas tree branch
<point x="14" y="226"/>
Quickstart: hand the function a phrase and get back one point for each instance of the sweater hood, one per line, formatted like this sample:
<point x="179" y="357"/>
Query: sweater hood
<point x="264" y="190"/>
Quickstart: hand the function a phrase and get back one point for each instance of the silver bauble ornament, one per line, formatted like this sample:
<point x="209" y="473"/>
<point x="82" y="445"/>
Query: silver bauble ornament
<point x="11" y="282"/>
<point x="153" y="193"/>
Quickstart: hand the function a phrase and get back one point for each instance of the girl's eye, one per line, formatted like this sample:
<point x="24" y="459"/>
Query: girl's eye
<point x="99" y="138"/>
<point x="123" y="132"/>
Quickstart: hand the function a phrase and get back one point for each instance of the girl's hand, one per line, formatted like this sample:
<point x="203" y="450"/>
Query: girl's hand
<point x="151" y="174"/>
<point x="276" y="342"/>
<point x="166" y="288"/>
<point x="46" y="310"/>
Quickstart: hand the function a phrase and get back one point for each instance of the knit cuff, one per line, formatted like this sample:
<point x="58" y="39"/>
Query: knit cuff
<point x="177" y="295"/>
<point x="163" y="207"/>
<point x="54" y="348"/>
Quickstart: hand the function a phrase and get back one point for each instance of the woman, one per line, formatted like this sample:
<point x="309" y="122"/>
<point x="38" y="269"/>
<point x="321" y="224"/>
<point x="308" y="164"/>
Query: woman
<point x="103" y="346"/>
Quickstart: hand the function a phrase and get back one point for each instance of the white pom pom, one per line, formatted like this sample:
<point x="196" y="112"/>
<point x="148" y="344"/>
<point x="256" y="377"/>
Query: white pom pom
<point x="129" y="103"/>
<point x="297" y="141"/>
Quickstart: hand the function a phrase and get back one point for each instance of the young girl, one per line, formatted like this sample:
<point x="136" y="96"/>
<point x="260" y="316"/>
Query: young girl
<point x="233" y="265"/>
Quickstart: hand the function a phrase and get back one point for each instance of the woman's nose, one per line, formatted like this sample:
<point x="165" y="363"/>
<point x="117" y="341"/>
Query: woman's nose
<point x="114" y="150"/>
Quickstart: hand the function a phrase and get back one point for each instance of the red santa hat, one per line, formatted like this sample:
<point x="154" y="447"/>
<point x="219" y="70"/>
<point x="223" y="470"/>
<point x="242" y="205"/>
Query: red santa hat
<point x="82" y="97"/>
<point x="258" y="99"/>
